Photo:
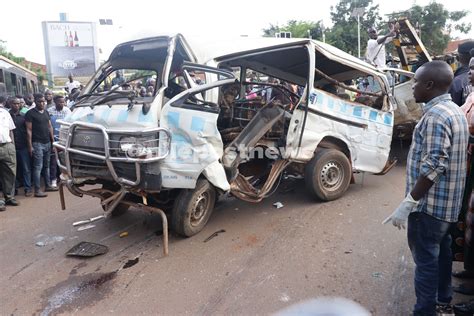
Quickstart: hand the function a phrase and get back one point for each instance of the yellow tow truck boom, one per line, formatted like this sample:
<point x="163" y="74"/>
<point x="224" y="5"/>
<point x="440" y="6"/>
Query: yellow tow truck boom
<point x="407" y="37"/>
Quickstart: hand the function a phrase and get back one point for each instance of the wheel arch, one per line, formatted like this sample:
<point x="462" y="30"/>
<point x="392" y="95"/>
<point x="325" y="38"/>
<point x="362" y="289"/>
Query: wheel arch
<point x="331" y="142"/>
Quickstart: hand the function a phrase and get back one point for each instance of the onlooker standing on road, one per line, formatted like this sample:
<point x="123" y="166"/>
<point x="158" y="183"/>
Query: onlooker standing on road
<point x="23" y="158"/>
<point x="40" y="137"/>
<point x="461" y="87"/>
<point x="48" y="95"/>
<point x="436" y="171"/>
<point x="29" y="100"/>
<point x="57" y="112"/>
<point x="3" y="100"/>
<point x="72" y="84"/>
<point x="7" y="159"/>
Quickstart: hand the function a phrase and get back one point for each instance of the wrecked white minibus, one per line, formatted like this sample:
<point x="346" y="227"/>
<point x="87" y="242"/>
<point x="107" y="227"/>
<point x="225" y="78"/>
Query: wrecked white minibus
<point x="164" y="125"/>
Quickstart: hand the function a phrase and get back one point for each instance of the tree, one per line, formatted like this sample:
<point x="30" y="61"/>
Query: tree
<point x="298" y="29"/>
<point x="435" y="23"/>
<point x="7" y="54"/>
<point x="343" y="34"/>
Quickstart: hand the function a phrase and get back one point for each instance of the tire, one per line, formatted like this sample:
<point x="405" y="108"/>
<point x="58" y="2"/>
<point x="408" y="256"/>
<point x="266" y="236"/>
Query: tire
<point x="328" y="174"/>
<point x="192" y="209"/>
<point x="120" y="209"/>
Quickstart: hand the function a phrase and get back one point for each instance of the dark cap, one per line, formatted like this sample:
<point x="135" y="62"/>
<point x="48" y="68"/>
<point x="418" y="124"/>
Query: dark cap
<point x="465" y="47"/>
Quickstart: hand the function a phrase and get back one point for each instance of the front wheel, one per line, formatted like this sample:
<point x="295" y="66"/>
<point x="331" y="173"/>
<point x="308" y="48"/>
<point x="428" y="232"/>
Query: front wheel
<point x="192" y="208"/>
<point x="328" y="174"/>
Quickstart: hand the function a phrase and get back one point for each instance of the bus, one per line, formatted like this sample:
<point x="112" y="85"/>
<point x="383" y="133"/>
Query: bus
<point x="16" y="79"/>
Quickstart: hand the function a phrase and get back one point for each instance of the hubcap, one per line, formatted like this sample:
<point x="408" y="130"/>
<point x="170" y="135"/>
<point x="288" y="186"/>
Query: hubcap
<point x="332" y="175"/>
<point x="200" y="208"/>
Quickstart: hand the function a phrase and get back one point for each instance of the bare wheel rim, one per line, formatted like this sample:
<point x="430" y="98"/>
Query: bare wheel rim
<point x="200" y="208"/>
<point x="332" y="175"/>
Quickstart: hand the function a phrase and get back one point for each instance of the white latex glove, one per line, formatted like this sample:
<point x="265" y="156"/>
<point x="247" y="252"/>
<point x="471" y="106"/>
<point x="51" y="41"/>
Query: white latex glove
<point x="400" y="216"/>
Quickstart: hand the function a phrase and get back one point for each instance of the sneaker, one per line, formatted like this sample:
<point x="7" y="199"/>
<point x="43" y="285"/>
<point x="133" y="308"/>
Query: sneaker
<point x="40" y="194"/>
<point x="28" y="193"/>
<point x="444" y="310"/>
<point x="51" y="189"/>
<point x="12" y="202"/>
<point x="2" y="206"/>
<point x="54" y="183"/>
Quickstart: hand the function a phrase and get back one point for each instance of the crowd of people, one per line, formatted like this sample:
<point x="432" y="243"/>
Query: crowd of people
<point x="28" y="127"/>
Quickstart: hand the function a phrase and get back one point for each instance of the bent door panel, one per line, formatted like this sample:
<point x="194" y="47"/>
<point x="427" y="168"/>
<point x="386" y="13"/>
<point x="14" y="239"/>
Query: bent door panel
<point x="366" y="131"/>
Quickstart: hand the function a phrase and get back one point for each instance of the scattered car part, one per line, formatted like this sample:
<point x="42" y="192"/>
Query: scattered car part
<point x="87" y="249"/>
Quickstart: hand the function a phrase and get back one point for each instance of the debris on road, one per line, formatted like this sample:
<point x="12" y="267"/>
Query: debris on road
<point x="87" y="221"/>
<point x="377" y="274"/>
<point x="87" y="249"/>
<point x="130" y="263"/>
<point x="348" y="251"/>
<point x="43" y="240"/>
<point x="214" y="235"/>
<point x="124" y="234"/>
<point x="88" y="226"/>
<point x="278" y="205"/>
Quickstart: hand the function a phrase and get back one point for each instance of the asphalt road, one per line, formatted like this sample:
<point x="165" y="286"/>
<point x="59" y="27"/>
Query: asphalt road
<point x="266" y="259"/>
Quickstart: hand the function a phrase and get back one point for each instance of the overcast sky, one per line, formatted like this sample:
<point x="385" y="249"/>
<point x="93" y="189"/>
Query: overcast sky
<point x="20" y="25"/>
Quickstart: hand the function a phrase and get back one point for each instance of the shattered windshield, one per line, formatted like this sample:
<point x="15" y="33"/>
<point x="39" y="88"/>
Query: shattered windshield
<point x="122" y="84"/>
<point x="142" y="82"/>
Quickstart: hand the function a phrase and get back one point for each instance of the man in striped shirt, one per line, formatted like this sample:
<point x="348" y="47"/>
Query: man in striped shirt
<point x="436" y="168"/>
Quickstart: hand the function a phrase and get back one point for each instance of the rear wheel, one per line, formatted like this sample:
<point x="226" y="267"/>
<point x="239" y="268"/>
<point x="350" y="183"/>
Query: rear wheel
<point x="192" y="208"/>
<point x="328" y="174"/>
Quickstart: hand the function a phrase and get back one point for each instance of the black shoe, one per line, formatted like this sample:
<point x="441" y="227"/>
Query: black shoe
<point x="12" y="202"/>
<point x="51" y="189"/>
<point x="464" y="309"/>
<point x="40" y="194"/>
<point x="464" y="288"/>
<point x="444" y="310"/>
<point x="464" y="274"/>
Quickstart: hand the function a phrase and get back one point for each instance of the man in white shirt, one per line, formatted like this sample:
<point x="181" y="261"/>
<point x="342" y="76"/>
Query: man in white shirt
<point x="71" y="84"/>
<point x="7" y="159"/>
<point x="376" y="45"/>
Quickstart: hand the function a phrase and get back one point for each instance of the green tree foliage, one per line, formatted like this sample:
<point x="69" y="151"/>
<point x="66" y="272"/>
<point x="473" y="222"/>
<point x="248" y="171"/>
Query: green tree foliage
<point x="343" y="34"/>
<point x="7" y="54"/>
<point x="298" y="29"/>
<point x="436" y="24"/>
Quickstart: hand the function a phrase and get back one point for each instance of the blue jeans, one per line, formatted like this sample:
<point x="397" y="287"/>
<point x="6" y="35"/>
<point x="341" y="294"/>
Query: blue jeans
<point x="430" y="244"/>
<point x="23" y="165"/>
<point x="41" y="156"/>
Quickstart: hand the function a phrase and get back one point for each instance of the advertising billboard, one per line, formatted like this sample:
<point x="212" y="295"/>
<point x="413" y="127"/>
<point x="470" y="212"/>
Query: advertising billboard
<point x="70" y="48"/>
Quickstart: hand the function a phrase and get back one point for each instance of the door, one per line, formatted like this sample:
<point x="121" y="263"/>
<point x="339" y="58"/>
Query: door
<point x="196" y="144"/>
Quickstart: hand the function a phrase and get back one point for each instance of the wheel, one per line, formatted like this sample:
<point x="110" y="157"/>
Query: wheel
<point x="119" y="209"/>
<point x="192" y="208"/>
<point x="328" y="174"/>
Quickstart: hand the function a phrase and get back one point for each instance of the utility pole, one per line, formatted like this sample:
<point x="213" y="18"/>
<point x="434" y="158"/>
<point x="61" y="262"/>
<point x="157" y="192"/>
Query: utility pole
<point x="358" y="12"/>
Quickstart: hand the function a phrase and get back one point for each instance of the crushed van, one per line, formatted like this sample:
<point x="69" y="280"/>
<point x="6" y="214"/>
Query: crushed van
<point x="223" y="121"/>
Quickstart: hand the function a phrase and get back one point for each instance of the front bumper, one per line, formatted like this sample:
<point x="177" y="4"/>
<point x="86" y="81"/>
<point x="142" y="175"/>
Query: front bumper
<point x="106" y="160"/>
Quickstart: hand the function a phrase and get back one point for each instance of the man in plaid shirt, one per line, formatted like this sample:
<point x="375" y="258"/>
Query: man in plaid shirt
<point x="57" y="112"/>
<point x="436" y="169"/>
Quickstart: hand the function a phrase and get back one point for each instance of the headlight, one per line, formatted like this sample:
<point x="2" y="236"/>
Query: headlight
<point x="139" y="147"/>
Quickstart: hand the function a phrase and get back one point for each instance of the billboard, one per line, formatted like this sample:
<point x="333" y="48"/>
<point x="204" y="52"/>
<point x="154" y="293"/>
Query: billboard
<point x="70" y="47"/>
